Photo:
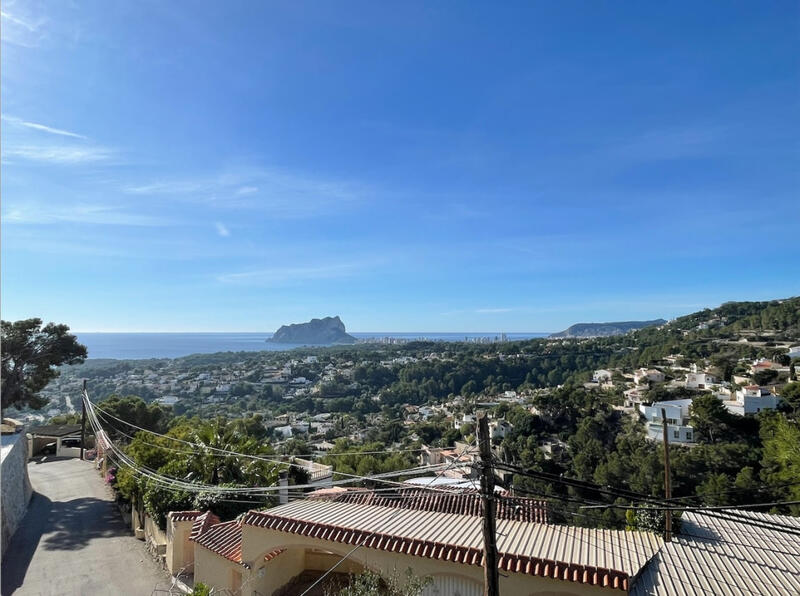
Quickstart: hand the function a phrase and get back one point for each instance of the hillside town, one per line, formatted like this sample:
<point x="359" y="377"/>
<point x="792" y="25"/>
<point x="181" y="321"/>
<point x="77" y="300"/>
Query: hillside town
<point x="382" y="449"/>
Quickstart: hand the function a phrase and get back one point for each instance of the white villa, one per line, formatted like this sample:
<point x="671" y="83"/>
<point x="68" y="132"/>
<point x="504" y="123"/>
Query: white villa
<point x="751" y="400"/>
<point x="634" y="396"/>
<point x="601" y="376"/>
<point x="677" y="413"/>
<point x="700" y="380"/>
<point x="648" y="375"/>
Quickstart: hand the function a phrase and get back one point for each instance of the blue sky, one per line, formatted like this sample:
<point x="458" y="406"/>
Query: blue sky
<point x="447" y="166"/>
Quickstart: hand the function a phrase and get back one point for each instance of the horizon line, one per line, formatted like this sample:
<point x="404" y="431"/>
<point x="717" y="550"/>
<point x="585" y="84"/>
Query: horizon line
<point x="388" y="333"/>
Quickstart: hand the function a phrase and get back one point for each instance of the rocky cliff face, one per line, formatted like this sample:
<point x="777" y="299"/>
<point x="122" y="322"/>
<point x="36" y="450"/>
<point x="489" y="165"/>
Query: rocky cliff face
<point x="605" y="329"/>
<point x="329" y="330"/>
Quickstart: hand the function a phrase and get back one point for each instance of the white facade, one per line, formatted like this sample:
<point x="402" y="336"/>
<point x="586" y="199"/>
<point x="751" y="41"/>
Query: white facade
<point x="700" y="380"/>
<point x="648" y="375"/>
<point x="284" y="431"/>
<point x="465" y="419"/>
<point x="601" y="376"/>
<point x="751" y="400"/>
<point x="634" y="396"/>
<point x="677" y="414"/>
<point x="500" y="428"/>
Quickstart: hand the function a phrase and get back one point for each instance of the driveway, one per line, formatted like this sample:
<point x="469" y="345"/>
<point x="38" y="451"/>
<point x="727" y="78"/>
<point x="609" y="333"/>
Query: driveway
<point x="73" y="539"/>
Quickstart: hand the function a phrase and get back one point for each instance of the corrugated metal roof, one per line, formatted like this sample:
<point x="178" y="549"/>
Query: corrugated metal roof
<point x="599" y="557"/>
<point x="716" y="556"/>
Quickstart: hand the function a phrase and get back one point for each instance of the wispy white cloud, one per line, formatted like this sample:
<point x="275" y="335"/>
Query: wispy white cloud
<point x="21" y="31"/>
<point x="280" y="193"/>
<point x="86" y="214"/>
<point x="59" y="154"/>
<point x="280" y="276"/>
<point x="41" y="127"/>
<point x="222" y="230"/>
<point x="18" y="21"/>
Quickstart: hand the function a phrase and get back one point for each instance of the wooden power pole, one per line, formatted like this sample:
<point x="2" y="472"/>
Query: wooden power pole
<point x="491" y="576"/>
<point x="83" y="416"/>
<point x="667" y="486"/>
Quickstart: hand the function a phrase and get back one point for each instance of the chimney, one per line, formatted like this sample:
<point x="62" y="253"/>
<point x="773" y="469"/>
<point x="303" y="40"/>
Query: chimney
<point x="283" y="482"/>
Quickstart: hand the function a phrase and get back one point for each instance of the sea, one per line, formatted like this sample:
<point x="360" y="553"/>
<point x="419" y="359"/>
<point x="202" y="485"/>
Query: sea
<point x="137" y="346"/>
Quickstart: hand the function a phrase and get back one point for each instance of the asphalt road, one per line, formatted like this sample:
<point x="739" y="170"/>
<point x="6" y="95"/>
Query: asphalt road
<point x="73" y="539"/>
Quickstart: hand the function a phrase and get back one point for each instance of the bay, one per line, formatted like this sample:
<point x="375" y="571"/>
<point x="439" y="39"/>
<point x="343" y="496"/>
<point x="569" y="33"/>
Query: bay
<point x="136" y="346"/>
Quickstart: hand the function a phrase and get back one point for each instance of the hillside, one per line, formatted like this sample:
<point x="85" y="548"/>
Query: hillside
<point x="605" y="329"/>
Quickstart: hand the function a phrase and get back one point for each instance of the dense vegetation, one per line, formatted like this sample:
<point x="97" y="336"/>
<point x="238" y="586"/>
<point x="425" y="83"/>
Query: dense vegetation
<point x="572" y="431"/>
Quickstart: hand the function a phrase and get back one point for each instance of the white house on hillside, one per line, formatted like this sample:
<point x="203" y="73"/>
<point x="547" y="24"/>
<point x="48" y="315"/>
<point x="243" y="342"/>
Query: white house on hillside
<point x="751" y="400"/>
<point x="700" y="380"/>
<point x="634" y="396"/>
<point x="677" y="413"/>
<point x="601" y="376"/>
<point x="500" y="428"/>
<point x="648" y="375"/>
<point x="465" y="419"/>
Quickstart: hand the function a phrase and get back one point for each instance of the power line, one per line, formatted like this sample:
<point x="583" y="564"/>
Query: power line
<point x="699" y="508"/>
<point x="622" y="493"/>
<point x="233" y="453"/>
<point x="369" y="534"/>
<point x="168" y="482"/>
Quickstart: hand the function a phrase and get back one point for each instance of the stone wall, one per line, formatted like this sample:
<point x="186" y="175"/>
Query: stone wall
<point x="15" y="491"/>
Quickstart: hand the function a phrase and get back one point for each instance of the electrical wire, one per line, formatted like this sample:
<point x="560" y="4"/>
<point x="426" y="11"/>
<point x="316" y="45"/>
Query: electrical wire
<point x="368" y="535"/>
<point x="626" y="494"/>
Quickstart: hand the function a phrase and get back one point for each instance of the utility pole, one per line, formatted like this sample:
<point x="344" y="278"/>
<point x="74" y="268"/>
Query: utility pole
<point x="491" y="577"/>
<point x="667" y="486"/>
<point x="83" y="416"/>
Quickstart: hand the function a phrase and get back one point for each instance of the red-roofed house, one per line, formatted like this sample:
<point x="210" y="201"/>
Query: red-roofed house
<point x="284" y="549"/>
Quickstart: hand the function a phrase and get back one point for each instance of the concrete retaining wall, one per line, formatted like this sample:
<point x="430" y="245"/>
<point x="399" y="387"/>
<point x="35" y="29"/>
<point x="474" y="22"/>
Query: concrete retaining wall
<point x="15" y="491"/>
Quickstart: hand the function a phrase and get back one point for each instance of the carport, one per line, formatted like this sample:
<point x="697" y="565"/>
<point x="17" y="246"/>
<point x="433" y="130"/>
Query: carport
<point x="41" y="436"/>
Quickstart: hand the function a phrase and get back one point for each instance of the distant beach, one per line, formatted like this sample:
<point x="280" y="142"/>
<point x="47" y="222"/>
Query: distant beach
<point x="135" y="346"/>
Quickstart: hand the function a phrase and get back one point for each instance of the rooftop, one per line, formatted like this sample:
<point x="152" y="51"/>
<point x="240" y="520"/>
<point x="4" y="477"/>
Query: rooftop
<point x="444" y="501"/>
<point x="716" y="556"/>
<point x="55" y="430"/>
<point x="608" y="558"/>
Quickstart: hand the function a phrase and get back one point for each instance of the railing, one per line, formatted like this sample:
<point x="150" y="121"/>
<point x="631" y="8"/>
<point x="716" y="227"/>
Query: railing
<point x="316" y="471"/>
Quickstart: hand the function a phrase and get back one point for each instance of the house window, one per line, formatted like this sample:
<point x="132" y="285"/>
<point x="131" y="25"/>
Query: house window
<point x="676" y="434"/>
<point x="688" y="436"/>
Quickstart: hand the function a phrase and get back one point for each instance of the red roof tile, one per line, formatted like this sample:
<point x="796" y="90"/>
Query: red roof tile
<point x="516" y="563"/>
<point x="180" y="516"/>
<point x="462" y="503"/>
<point x="224" y="539"/>
<point x="202" y="523"/>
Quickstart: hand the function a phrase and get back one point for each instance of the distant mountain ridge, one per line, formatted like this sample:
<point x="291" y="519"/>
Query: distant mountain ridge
<point x="329" y="330"/>
<point x="605" y="329"/>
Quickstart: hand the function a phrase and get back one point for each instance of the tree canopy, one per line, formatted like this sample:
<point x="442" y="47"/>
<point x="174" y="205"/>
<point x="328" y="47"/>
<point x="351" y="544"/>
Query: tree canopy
<point x="30" y="354"/>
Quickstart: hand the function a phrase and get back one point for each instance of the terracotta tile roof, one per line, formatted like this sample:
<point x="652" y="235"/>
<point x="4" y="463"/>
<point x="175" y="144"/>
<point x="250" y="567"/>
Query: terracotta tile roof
<point x="202" y="523"/>
<point x="224" y="539"/>
<point x="271" y="555"/>
<point x="462" y="503"/>
<point x="604" y="558"/>
<point x="180" y="516"/>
